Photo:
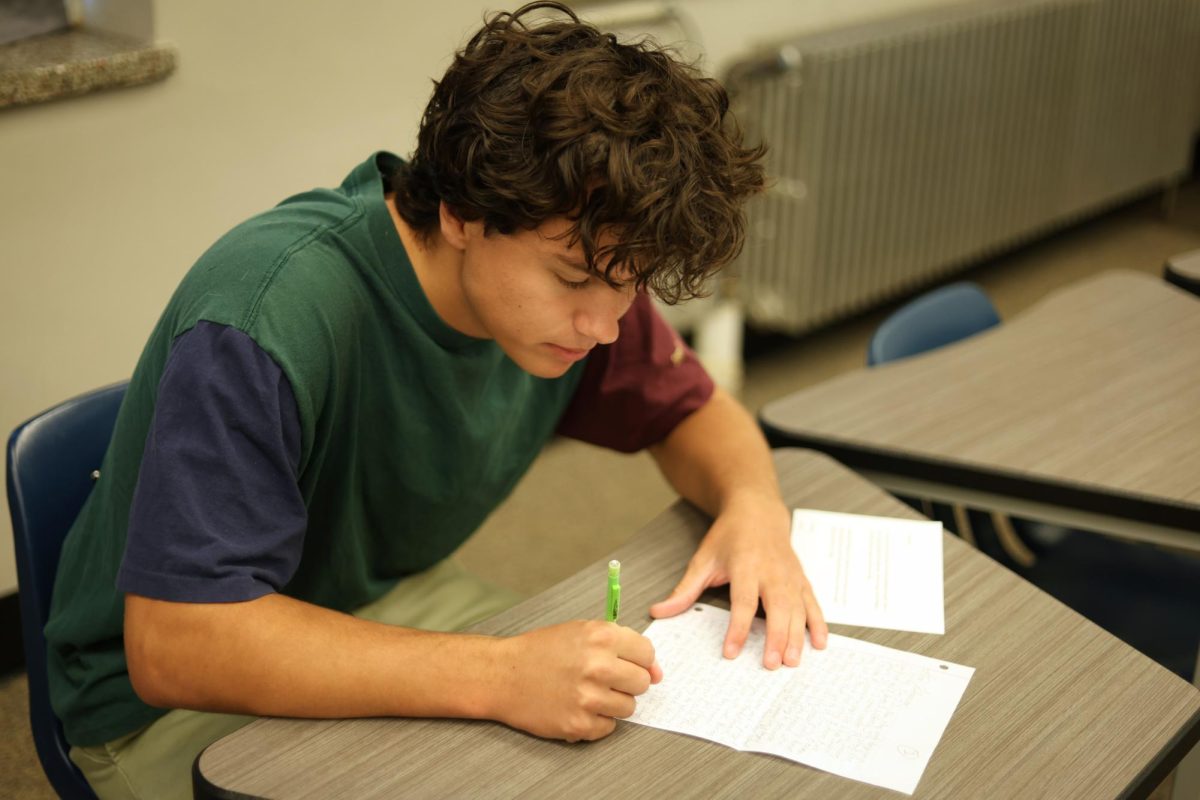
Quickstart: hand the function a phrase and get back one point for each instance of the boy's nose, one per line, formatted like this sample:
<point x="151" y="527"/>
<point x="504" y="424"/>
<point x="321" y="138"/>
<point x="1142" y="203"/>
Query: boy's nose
<point x="600" y="326"/>
<point x="599" y="319"/>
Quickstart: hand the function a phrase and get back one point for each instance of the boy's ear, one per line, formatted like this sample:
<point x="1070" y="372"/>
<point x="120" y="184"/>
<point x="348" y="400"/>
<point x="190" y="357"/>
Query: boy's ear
<point x="454" y="228"/>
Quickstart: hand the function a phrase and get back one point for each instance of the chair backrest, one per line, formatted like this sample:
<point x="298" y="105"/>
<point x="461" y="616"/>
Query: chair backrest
<point x="51" y="461"/>
<point x="932" y="320"/>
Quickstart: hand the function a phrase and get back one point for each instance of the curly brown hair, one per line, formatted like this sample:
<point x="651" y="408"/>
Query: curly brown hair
<point x="541" y="118"/>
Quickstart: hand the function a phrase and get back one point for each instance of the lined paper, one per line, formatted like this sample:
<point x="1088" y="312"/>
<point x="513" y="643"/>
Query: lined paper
<point x="855" y="709"/>
<point x="878" y="572"/>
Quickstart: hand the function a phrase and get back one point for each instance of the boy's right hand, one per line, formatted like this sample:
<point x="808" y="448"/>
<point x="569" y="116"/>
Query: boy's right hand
<point x="572" y="681"/>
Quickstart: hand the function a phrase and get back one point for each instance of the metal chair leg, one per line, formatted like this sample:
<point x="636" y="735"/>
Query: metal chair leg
<point x="1016" y="549"/>
<point x="962" y="521"/>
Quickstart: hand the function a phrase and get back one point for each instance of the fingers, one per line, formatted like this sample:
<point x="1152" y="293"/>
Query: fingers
<point x="695" y="580"/>
<point x="633" y="647"/>
<point x="816" y="620"/>
<point x="599" y="718"/>
<point x="780" y="621"/>
<point x="787" y="619"/>
<point x="615" y="704"/>
<point x="629" y="679"/>
<point x="789" y="612"/>
<point x="743" y="602"/>
<point x="604" y="726"/>
<point x="629" y="667"/>
<point x="624" y="681"/>
<point x="590" y="728"/>
<point x="795" y="639"/>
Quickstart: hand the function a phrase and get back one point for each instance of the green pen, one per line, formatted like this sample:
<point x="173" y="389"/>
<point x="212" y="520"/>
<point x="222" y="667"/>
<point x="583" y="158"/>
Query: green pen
<point x="614" y="590"/>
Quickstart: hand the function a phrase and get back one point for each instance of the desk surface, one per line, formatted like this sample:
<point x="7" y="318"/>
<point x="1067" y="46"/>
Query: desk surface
<point x="1183" y="270"/>
<point x="1089" y="399"/>
<point x="1056" y="708"/>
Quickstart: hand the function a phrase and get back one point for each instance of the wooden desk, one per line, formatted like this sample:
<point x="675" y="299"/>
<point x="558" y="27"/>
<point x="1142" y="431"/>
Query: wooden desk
<point x="1056" y="708"/>
<point x="1183" y="270"/>
<point x="1082" y="410"/>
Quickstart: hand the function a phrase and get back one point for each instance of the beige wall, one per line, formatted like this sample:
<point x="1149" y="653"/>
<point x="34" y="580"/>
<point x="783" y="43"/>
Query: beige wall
<point x="106" y="200"/>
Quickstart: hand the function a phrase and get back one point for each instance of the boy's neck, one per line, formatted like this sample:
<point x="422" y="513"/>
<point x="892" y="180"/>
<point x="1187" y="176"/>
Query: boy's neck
<point x="438" y="268"/>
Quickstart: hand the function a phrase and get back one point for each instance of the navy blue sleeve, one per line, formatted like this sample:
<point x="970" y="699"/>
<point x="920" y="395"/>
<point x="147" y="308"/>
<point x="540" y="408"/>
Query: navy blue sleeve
<point x="217" y="513"/>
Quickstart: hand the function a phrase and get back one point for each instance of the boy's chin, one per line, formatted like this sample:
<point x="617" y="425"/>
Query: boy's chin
<point x="540" y="366"/>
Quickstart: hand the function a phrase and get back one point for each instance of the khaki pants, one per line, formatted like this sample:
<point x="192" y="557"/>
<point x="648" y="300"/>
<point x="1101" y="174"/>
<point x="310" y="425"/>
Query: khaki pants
<point x="155" y="763"/>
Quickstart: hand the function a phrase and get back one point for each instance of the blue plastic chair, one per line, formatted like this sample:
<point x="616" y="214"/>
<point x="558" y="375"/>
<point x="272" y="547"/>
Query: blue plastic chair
<point x="52" y="463"/>
<point x="933" y="320"/>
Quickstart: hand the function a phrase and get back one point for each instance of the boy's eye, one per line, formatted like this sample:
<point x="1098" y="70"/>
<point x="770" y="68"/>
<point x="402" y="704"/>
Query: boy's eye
<point x="573" y="284"/>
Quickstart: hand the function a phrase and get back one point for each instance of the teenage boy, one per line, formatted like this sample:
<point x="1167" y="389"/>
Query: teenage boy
<point x="343" y="387"/>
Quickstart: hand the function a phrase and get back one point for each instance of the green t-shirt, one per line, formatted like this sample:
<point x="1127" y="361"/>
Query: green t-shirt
<point x="411" y="432"/>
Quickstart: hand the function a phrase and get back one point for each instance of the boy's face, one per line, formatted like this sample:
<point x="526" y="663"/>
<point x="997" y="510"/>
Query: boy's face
<point x="533" y="295"/>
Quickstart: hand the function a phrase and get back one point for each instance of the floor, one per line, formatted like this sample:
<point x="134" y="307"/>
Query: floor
<point x="579" y="502"/>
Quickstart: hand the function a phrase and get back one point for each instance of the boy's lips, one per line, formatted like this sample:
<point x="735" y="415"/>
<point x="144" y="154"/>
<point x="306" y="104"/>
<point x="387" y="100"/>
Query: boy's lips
<point x="568" y="354"/>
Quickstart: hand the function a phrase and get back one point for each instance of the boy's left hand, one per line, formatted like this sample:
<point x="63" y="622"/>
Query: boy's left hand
<point x="749" y="547"/>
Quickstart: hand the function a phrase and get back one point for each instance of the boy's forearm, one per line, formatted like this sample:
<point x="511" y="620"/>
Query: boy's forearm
<point x="717" y="457"/>
<point x="277" y="656"/>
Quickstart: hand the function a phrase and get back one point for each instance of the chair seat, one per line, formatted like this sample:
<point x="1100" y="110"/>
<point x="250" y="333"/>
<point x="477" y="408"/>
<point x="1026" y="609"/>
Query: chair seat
<point x="53" y="461"/>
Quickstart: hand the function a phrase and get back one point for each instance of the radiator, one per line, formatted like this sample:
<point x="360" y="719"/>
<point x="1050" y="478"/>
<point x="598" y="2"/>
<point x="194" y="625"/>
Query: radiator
<point x="905" y="149"/>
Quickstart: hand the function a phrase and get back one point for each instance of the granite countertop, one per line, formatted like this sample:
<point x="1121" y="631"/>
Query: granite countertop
<point x="78" y="61"/>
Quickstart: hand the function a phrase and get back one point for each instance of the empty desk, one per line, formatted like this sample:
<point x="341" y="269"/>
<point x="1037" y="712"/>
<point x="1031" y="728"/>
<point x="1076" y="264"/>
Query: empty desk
<point x="1082" y="410"/>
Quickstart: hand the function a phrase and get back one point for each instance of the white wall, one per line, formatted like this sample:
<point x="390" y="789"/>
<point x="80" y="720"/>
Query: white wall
<point x="106" y="200"/>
